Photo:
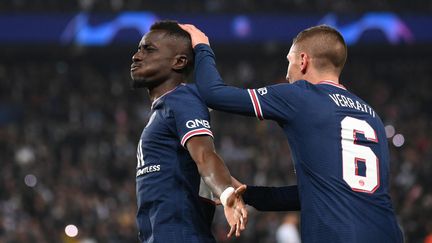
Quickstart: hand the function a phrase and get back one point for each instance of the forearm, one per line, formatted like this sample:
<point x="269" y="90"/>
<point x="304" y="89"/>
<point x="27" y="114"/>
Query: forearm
<point x="214" y="173"/>
<point x="214" y="91"/>
<point x="272" y="198"/>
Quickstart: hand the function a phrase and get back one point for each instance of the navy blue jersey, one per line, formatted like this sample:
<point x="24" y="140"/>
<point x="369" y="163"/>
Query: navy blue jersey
<point x="339" y="149"/>
<point x="167" y="179"/>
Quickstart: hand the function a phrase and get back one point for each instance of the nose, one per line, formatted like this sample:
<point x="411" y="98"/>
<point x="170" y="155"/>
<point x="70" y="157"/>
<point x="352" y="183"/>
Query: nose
<point x="136" y="57"/>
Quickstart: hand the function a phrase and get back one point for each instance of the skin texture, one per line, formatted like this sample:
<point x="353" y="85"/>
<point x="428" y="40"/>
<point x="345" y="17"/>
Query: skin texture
<point x="156" y="64"/>
<point x="159" y="65"/>
<point x="301" y="67"/>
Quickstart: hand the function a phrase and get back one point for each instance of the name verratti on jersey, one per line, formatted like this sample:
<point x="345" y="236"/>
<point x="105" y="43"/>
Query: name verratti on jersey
<point x="341" y="100"/>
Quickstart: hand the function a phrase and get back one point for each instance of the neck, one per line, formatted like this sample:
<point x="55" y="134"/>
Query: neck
<point x="318" y="77"/>
<point x="161" y="89"/>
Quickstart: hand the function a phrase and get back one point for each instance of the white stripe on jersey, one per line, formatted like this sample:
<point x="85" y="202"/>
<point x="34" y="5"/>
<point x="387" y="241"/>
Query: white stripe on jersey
<point x="256" y="104"/>
<point x="199" y="131"/>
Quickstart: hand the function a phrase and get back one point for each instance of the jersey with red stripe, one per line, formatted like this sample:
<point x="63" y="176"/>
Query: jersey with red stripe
<point x="338" y="145"/>
<point x="167" y="178"/>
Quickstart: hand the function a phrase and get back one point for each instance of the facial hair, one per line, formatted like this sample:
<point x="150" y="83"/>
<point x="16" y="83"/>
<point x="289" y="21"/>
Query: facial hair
<point x="137" y="83"/>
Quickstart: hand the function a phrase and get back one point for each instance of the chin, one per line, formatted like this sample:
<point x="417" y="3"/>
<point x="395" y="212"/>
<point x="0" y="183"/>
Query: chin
<point x="136" y="82"/>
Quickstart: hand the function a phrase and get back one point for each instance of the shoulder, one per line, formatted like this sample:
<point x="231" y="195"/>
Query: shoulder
<point x="186" y="96"/>
<point x="287" y="90"/>
<point x="184" y="92"/>
<point x="296" y="86"/>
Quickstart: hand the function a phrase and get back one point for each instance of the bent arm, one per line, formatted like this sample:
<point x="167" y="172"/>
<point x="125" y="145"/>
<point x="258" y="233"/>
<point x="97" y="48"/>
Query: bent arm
<point x="262" y="198"/>
<point x="216" y="94"/>
<point x="210" y="166"/>
<point x="216" y="175"/>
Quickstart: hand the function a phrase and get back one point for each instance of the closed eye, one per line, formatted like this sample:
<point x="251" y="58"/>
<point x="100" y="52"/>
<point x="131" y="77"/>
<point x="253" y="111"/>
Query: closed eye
<point x="147" y="48"/>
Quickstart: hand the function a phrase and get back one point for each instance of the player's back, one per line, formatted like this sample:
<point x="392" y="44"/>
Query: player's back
<point x="167" y="179"/>
<point x="342" y="164"/>
<point x="339" y="149"/>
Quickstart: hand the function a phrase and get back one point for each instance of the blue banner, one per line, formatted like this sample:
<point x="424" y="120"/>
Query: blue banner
<point x="128" y="27"/>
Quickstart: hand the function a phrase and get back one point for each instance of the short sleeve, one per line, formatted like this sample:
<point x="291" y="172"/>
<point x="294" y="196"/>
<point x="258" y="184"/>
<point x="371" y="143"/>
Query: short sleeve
<point x="191" y="117"/>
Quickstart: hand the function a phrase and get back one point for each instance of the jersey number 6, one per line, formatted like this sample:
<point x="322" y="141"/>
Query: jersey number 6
<point x="353" y="153"/>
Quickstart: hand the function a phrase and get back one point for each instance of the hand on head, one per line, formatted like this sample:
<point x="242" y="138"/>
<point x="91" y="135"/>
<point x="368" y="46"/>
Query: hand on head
<point x="197" y="36"/>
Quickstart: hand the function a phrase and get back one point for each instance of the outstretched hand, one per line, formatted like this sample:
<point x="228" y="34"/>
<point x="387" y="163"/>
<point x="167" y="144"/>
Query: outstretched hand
<point x="197" y="36"/>
<point x="235" y="212"/>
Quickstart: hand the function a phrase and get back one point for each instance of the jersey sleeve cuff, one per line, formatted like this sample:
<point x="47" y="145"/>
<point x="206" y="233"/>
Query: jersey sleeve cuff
<point x="195" y="132"/>
<point x="256" y="104"/>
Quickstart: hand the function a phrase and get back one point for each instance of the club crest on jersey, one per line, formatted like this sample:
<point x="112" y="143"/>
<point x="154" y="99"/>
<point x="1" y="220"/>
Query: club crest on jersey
<point x="197" y="123"/>
<point x="262" y="91"/>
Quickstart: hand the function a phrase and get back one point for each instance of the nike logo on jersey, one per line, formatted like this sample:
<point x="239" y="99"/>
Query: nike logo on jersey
<point x="343" y="101"/>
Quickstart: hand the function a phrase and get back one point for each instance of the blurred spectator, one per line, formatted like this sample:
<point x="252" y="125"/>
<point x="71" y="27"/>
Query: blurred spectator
<point x="69" y="127"/>
<point x="288" y="231"/>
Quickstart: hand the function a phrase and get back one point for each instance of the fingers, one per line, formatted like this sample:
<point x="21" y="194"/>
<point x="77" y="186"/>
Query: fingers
<point x="244" y="217"/>
<point x="232" y="230"/>
<point x="235" y="182"/>
<point x="232" y="199"/>
<point x="186" y="27"/>
<point x="238" y="229"/>
<point x="242" y="224"/>
<point x="236" y="213"/>
<point x="236" y="222"/>
<point x="240" y="190"/>
<point x="189" y="28"/>
<point x="197" y="36"/>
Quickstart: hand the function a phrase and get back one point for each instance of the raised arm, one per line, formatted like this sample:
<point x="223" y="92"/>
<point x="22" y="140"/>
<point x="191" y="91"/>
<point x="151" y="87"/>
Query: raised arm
<point x="216" y="94"/>
<point x="278" y="102"/>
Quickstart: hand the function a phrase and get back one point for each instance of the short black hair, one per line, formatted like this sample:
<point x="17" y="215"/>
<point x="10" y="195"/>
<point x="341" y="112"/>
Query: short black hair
<point x="172" y="29"/>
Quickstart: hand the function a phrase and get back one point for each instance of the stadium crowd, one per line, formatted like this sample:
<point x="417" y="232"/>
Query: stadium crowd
<point x="69" y="128"/>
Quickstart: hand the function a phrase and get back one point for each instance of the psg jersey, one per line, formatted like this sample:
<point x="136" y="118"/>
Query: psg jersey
<point x="167" y="179"/>
<point x="339" y="149"/>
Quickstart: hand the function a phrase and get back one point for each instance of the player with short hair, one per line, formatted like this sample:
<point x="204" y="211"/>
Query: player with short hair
<point x="338" y="142"/>
<point x="176" y="147"/>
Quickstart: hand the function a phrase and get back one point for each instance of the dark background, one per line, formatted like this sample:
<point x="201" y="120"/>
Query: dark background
<point x="69" y="123"/>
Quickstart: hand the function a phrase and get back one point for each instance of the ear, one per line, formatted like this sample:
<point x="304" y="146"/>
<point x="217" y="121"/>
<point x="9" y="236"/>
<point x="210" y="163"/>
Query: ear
<point x="304" y="62"/>
<point x="180" y="62"/>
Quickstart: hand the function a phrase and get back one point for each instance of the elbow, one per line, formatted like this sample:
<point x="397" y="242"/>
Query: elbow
<point x="212" y="99"/>
<point x="212" y="95"/>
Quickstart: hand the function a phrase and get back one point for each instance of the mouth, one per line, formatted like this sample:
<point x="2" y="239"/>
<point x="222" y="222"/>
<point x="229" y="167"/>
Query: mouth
<point x="134" y="66"/>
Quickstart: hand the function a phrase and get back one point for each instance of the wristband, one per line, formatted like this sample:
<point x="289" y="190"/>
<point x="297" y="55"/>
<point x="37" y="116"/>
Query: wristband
<point x="225" y="194"/>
